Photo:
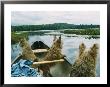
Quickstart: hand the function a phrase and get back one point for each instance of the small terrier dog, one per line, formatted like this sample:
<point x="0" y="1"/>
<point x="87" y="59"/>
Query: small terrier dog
<point x="85" y="65"/>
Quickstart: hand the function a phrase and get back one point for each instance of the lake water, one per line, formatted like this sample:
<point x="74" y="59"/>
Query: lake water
<point x="70" y="45"/>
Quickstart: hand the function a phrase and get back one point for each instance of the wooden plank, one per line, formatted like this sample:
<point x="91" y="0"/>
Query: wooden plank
<point x="39" y="50"/>
<point x="45" y="62"/>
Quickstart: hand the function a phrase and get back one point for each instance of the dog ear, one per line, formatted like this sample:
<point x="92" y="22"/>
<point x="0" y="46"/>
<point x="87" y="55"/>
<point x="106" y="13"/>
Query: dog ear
<point x="82" y="47"/>
<point x="58" y="40"/>
<point x="60" y="37"/>
<point x="22" y="42"/>
<point x="93" y="50"/>
<point x="95" y="46"/>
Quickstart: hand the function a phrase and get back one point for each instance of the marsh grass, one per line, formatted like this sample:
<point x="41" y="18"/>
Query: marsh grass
<point x="83" y="32"/>
<point x="15" y="38"/>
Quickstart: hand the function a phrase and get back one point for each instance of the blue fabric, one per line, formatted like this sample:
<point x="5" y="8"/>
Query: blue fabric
<point x="22" y="68"/>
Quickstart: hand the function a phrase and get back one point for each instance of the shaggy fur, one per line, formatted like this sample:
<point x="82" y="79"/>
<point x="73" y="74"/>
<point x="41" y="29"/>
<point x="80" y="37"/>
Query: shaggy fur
<point x="85" y="65"/>
<point x="54" y="53"/>
<point x="27" y="51"/>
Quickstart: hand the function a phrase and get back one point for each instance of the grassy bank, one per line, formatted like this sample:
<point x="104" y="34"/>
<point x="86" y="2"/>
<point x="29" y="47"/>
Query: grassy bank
<point x="83" y="31"/>
<point x="15" y="38"/>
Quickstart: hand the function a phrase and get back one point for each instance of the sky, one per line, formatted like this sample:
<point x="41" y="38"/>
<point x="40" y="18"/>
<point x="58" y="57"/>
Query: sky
<point x="50" y="17"/>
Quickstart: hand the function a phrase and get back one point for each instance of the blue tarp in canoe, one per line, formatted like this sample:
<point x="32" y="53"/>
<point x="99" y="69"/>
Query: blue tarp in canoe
<point x="23" y="69"/>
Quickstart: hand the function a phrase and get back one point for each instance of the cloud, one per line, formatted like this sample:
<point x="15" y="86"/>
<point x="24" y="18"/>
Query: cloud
<point x="48" y="17"/>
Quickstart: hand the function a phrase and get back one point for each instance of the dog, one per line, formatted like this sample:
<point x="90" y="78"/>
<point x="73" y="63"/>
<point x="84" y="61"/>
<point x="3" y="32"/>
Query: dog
<point x="85" y="64"/>
<point x="54" y="53"/>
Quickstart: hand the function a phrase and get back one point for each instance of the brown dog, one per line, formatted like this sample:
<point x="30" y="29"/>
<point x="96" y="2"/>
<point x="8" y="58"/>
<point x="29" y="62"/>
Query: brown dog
<point x="54" y="53"/>
<point x="85" y="65"/>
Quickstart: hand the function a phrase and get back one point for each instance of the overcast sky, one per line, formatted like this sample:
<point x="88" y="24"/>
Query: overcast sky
<point x="49" y="17"/>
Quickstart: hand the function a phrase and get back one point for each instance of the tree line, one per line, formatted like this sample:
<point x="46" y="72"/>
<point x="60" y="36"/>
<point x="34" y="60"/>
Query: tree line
<point x="55" y="26"/>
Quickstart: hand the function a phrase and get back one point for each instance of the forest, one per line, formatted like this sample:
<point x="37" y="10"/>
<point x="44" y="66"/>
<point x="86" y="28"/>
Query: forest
<point x="55" y="26"/>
